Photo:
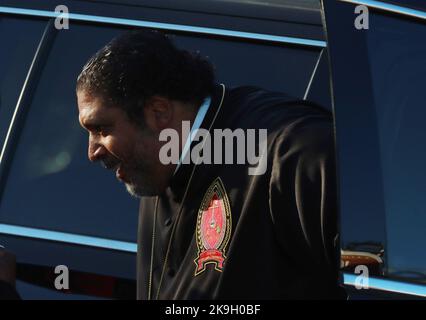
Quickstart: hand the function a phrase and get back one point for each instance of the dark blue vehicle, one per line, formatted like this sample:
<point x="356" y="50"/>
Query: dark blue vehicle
<point x="58" y="209"/>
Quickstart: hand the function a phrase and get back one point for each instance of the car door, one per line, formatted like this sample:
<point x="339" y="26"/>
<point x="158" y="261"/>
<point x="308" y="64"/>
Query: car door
<point x="57" y="209"/>
<point x="378" y="70"/>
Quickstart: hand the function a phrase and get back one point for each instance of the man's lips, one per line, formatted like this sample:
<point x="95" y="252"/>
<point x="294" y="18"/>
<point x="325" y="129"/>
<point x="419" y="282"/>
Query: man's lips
<point x="110" y="164"/>
<point x="117" y="167"/>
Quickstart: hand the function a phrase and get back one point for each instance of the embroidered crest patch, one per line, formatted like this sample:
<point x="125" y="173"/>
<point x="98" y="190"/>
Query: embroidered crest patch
<point x="214" y="225"/>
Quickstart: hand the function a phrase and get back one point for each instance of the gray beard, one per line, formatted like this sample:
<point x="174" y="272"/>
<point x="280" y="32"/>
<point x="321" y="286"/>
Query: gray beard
<point x="133" y="190"/>
<point x="140" y="188"/>
<point x="138" y="192"/>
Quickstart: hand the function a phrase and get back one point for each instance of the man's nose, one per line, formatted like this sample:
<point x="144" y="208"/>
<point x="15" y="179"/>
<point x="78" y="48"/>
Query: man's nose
<point x="96" y="151"/>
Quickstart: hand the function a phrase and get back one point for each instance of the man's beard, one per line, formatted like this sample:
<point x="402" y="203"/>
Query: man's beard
<point x="139" y="183"/>
<point x="138" y="190"/>
<point x="134" y="190"/>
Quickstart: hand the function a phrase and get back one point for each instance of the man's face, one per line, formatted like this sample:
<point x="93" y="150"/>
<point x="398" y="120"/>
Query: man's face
<point x="131" y="150"/>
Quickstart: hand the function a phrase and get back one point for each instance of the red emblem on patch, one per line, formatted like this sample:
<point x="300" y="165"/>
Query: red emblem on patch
<point x="213" y="228"/>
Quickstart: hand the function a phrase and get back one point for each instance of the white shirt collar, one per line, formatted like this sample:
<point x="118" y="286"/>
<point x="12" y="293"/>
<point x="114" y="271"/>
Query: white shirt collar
<point x="202" y="111"/>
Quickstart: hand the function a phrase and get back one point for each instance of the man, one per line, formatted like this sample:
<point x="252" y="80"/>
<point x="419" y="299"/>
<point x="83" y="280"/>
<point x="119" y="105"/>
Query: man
<point x="209" y="230"/>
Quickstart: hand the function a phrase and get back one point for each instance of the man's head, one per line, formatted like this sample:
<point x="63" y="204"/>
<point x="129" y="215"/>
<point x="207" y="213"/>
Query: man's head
<point x="128" y="92"/>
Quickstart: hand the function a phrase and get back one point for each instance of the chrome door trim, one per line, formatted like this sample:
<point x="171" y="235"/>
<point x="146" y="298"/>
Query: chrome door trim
<point x="389" y="8"/>
<point x="65" y="237"/>
<point x="168" y="26"/>
<point x="40" y="51"/>
<point x="308" y="87"/>
<point x="388" y="285"/>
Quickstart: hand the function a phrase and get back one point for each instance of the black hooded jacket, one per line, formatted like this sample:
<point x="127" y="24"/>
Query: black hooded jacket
<point x="240" y="236"/>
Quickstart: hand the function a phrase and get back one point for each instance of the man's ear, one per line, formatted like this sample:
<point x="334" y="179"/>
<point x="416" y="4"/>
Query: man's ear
<point x="158" y="113"/>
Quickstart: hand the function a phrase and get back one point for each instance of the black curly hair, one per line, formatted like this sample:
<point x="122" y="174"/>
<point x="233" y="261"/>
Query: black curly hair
<point x="139" y="64"/>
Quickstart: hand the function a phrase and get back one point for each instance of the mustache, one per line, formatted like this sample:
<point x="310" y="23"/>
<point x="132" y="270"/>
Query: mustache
<point x="110" y="162"/>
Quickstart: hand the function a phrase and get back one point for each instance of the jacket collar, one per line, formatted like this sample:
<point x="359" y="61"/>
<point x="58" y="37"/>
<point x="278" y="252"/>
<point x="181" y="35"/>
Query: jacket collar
<point x="181" y="177"/>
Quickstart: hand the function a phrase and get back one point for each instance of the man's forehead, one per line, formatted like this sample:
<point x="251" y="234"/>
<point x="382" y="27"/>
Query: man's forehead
<point x="89" y="113"/>
<point x="85" y="100"/>
<point x="91" y="108"/>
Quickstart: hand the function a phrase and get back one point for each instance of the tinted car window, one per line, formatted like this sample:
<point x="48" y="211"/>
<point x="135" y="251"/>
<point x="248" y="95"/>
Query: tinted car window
<point x="280" y="68"/>
<point x="52" y="185"/>
<point x="378" y="77"/>
<point x="19" y="39"/>
<point x="398" y="70"/>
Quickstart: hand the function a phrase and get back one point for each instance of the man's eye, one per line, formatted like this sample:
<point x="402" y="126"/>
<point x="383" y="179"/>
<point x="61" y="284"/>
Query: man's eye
<point x="102" y="130"/>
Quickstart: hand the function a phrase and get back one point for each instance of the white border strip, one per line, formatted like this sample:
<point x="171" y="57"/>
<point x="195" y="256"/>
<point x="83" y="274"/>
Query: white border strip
<point x="167" y="26"/>
<point x="67" y="238"/>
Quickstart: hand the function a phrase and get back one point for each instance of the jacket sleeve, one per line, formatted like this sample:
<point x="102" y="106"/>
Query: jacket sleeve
<point x="7" y="292"/>
<point x="303" y="201"/>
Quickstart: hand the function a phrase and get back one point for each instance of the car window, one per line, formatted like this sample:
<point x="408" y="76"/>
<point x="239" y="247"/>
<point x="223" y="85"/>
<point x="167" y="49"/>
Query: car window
<point x="379" y="102"/>
<point x="282" y="68"/>
<point x="19" y="39"/>
<point x="52" y="185"/>
<point x="398" y="70"/>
